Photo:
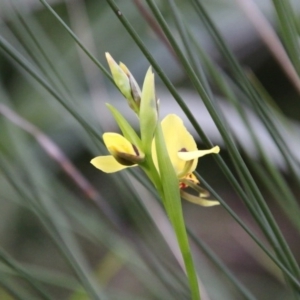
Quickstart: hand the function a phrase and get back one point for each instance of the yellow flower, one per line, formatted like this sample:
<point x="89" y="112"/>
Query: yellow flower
<point x="182" y="150"/>
<point x="183" y="153"/>
<point x="123" y="154"/>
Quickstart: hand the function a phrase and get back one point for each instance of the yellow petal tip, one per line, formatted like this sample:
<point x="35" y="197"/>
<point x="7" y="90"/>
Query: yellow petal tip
<point x="107" y="164"/>
<point x="108" y="56"/>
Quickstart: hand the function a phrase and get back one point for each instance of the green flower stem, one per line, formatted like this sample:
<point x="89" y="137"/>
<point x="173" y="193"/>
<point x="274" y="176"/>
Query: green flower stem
<point x="173" y="208"/>
<point x="150" y="169"/>
<point x="201" y="245"/>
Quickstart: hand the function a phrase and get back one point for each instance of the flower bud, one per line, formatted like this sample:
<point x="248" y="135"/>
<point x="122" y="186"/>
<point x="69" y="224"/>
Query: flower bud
<point x="135" y="89"/>
<point x="125" y="82"/>
<point x="148" y="110"/>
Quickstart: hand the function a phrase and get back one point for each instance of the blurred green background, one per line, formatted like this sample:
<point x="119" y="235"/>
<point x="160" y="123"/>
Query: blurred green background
<point x="113" y="228"/>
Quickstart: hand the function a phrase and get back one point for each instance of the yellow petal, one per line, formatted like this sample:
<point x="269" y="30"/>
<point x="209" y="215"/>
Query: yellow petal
<point x="108" y="164"/>
<point x="116" y="143"/>
<point x="196" y="154"/>
<point x="177" y="139"/>
<point x="198" y="200"/>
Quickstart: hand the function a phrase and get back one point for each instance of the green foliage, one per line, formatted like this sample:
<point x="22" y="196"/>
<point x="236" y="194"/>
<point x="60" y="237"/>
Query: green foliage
<point x="91" y="235"/>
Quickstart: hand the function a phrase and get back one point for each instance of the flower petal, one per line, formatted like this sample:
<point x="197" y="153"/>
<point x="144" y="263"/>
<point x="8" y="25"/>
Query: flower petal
<point x="116" y="143"/>
<point x="177" y="139"/>
<point x="196" y="154"/>
<point x="198" y="200"/>
<point x="108" y="164"/>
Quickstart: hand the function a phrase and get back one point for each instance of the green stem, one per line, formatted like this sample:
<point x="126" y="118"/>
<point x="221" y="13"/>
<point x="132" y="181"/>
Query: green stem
<point x="172" y="202"/>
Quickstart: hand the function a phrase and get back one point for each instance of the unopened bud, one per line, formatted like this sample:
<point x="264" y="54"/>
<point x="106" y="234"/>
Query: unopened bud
<point x="135" y="89"/>
<point x="125" y="82"/>
<point x="148" y="110"/>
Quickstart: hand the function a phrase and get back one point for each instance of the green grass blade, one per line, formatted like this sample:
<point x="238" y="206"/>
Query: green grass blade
<point x="286" y="18"/>
<point x="252" y="187"/>
<point x="262" y="213"/>
<point x="252" y="96"/>
<point x="45" y="276"/>
<point x="5" y="258"/>
<point x="8" y="49"/>
<point x="177" y="97"/>
<point x="188" y="45"/>
<point x="216" y="260"/>
<point x="278" y="182"/>
<point x="286" y="271"/>
<point x="33" y="47"/>
<point x="238" y="220"/>
<point x="284" y="251"/>
<point x="125" y="127"/>
<point x="55" y="233"/>
<point x="10" y="287"/>
<point x="76" y="39"/>
<point x="49" y="214"/>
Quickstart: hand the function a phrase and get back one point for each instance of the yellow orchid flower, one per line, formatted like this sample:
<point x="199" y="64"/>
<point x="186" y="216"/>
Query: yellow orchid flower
<point x="123" y="154"/>
<point x="151" y="150"/>
<point x="184" y="154"/>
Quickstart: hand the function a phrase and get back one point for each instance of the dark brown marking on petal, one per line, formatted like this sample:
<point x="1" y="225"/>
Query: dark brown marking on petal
<point x="183" y="150"/>
<point x="135" y="150"/>
<point x="127" y="159"/>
